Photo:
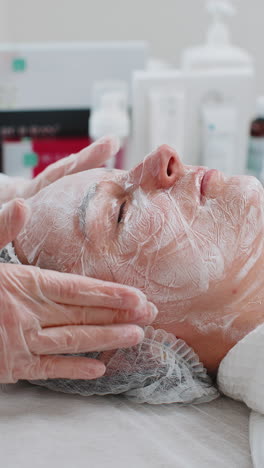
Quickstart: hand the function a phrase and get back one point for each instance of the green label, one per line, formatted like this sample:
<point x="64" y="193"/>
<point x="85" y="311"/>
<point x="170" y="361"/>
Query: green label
<point x="30" y="160"/>
<point x="19" y="65"/>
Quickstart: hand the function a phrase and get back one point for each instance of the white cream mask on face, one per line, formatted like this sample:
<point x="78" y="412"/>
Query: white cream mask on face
<point x="184" y="235"/>
<point x="174" y="244"/>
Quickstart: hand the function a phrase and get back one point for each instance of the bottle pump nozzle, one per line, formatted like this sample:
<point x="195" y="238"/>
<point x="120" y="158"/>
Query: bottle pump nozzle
<point x="219" y="51"/>
<point x="218" y="33"/>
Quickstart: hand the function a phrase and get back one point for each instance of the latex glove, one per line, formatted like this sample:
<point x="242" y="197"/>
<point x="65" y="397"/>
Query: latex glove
<point x="45" y="313"/>
<point x="13" y="217"/>
<point x="93" y="156"/>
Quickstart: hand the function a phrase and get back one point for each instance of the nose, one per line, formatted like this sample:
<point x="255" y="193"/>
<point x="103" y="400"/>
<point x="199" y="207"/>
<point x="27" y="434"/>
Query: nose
<point x="160" y="170"/>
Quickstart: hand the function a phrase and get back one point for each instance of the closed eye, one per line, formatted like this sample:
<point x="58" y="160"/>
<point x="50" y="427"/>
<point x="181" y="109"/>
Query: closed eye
<point x="121" y="212"/>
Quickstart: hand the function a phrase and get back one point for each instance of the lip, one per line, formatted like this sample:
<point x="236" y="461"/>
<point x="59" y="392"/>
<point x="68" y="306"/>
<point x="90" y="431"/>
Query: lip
<point x="206" y="180"/>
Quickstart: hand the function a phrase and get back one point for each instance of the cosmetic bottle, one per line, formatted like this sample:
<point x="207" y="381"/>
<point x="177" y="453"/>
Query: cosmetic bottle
<point x="224" y="123"/>
<point x="218" y="51"/>
<point x="219" y="136"/>
<point x="256" y="143"/>
<point x="110" y="116"/>
<point x="166" y="118"/>
<point x="19" y="158"/>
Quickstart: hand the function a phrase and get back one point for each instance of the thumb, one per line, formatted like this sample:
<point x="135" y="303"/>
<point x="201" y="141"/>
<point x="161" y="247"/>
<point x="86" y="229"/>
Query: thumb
<point x="13" y="217"/>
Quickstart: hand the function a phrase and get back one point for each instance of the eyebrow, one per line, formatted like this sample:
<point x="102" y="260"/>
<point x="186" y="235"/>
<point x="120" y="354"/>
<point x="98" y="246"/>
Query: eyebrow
<point x="82" y="210"/>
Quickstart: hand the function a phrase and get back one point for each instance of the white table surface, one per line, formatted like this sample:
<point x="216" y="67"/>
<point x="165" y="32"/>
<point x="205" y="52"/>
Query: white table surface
<point x="43" y="429"/>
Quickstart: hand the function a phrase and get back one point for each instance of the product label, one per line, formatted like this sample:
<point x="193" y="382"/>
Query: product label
<point x="32" y="140"/>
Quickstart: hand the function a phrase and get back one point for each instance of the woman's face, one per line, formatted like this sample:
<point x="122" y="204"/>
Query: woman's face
<point x="184" y="235"/>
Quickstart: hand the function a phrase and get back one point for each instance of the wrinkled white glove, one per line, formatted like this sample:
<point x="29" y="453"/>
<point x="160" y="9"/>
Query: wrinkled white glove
<point x="45" y="313"/>
<point x="93" y="156"/>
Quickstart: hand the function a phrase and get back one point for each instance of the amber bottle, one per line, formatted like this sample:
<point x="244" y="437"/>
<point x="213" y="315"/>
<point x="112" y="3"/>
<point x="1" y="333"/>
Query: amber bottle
<point x="256" y="144"/>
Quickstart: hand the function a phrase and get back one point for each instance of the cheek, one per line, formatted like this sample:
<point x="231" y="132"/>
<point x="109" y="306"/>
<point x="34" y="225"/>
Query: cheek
<point x="174" y="249"/>
<point x="142" y="228"/>
<point x="251" y="228"/>
<point x="170" y="255"/>
<point x="156" y="253"/>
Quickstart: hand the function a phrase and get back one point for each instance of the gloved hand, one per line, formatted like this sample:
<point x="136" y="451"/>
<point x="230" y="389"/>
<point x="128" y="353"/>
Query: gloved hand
<point x="93" y="156"/>
<point x="13" y="217"/>
<point x="44" y="314"/>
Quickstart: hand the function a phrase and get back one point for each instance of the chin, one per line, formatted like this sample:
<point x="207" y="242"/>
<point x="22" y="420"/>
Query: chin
<point x="250" y="182"/>
<point x="245" y="189"/>
<point x="255" y="191"/>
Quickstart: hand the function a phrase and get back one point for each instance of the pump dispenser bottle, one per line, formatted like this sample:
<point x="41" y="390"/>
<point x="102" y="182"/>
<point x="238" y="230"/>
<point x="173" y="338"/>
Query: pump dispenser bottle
<point x="218" y="51"/>
<point x="205" y="107"/>
<point x="223" y="121"/>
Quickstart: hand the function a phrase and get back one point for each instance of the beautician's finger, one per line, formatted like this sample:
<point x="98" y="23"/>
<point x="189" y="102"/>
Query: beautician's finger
<point x="81" y="291"/>
<point x="64" y="367"/>
<point x="93" y="156"/>
<point x="13" y="216"/>
<point x="97" y="154"/>
<point x="81" y="339"/>
<point x="71" y="315"/>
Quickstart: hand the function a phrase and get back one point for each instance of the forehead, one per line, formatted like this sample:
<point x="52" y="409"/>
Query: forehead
<point x="95" y="176"/>
<point x="76" y="186"/>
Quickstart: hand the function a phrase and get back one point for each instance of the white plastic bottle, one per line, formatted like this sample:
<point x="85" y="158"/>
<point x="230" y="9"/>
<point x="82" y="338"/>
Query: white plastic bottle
<point x="19" y="158"/>
<point x="218" y="51"/>
<point x="219" y="136"/>
<point x="223" y="137"/>
<point x="110" y="117"/>
<point x="166" y="118"/>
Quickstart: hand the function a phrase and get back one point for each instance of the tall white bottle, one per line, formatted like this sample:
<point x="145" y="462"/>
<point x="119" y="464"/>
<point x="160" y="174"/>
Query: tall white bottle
<point x="224" y="121"/>
<point x="110" y="116"/>
<point x="218" y="50"/>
